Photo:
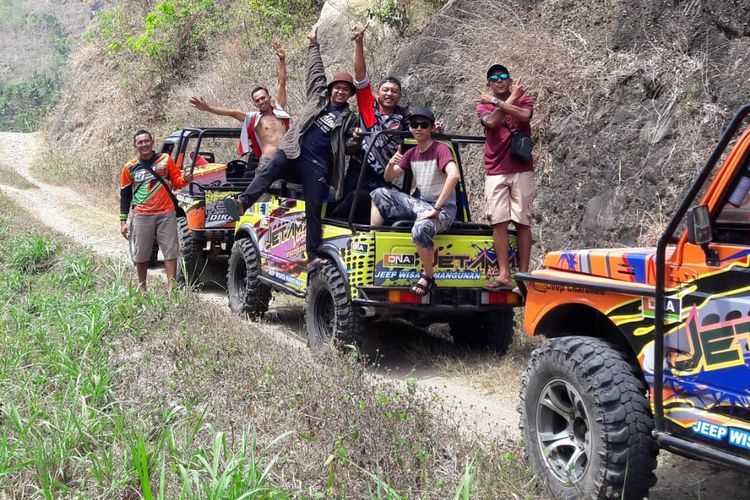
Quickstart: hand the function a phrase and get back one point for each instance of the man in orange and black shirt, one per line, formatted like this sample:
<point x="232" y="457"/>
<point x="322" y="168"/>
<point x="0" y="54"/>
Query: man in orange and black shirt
<point x="153" y="209"/>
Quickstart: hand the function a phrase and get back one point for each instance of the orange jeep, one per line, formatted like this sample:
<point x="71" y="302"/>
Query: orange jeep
<point x="647" y="347"/>
<point x="204" y="228"/>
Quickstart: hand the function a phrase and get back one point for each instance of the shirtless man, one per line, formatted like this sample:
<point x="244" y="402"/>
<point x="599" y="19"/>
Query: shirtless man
<point x="262" y="130"/>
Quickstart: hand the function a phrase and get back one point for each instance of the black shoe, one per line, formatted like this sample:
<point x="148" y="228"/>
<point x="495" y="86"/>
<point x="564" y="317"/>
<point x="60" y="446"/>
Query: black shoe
<point x="233" y="207"/>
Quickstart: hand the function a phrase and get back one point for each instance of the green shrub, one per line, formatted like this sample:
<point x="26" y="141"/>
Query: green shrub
<point x="277" y="18"/>
<point x="391" y="13"/>
<point x="175" y="29"/>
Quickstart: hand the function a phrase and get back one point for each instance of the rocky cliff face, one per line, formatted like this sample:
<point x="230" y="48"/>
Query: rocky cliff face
<point x="630" y="97"/>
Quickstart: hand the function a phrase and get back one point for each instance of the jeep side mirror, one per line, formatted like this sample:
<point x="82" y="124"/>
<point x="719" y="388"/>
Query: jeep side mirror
<point x="699" y="225"/>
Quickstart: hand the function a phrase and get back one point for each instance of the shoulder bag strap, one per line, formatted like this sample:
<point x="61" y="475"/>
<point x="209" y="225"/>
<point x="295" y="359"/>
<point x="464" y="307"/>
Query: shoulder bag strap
<point x="159" y="178"/>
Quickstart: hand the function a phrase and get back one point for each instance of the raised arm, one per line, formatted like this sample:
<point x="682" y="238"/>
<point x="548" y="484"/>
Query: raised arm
<point x="393" y="168"/>
<point x="201" y="105"/>
<point x="360" y="66"/>
<point x="315" y="75"/>
<point x="281" y="89"/>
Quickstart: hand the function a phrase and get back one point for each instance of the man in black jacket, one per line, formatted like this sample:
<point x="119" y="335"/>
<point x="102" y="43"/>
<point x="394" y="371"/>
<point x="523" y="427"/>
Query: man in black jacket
<point x="314" y="148"/>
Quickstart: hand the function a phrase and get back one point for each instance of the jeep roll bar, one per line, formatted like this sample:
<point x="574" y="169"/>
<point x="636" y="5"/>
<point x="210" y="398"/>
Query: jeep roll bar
<point x="462" y="200"/>
<point x="665" y="439"/>
<point x="188" y="133"/>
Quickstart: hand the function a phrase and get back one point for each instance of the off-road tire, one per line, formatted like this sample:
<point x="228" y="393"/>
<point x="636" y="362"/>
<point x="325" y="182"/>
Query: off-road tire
<point x="192" y="258"/>
<point x="486" y="331"/>
<point x="247" y="294"/>
<point x="330" y="315"/>
<point x="608" y="424"/>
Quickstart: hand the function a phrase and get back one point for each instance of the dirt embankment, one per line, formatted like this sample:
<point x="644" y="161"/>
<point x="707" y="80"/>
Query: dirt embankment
<point x="630" y="96"/>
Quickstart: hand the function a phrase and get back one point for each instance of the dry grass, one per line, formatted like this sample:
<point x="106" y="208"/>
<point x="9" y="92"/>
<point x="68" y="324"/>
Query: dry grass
<point x="10" y="177"/>
<point x="176" y="371"/>
<point x="235" y="373"/>
<point x="493" y="374"/>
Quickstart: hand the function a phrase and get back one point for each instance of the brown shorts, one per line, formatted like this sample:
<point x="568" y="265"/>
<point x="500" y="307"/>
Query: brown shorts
<point x="509" y="197"/>
<point x="144" y="229"/>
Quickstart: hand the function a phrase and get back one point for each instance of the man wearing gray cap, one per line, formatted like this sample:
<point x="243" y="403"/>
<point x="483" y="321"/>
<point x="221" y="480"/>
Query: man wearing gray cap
<point x="433" y="210"/>
<point x="504" y="111"/>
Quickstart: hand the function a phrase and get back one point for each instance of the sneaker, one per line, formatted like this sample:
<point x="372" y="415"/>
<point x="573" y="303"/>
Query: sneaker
<point x="233" y="207"/>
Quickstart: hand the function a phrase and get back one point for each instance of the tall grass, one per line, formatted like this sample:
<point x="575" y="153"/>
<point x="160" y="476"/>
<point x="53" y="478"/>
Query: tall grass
<point x="62" y="429"/>
<point x="108" y="393"/>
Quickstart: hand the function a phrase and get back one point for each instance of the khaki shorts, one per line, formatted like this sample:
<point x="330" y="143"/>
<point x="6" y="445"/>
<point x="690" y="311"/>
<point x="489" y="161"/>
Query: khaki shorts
<point x="144" y="229"/>
<point x="509" y="197"/>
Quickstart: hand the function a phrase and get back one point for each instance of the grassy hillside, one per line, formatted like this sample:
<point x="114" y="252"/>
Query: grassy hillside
<point x="36" y="37"/>
<point x="108" y="393"/>
<point x="143" y="59"/>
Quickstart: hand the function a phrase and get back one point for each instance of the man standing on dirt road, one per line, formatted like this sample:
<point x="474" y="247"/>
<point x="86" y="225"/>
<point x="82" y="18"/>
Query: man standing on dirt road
<point x="153" y="206"/>
<point x="509" y="183"/>
<point x="262" y="130"/>
<point x="313" y="151"/>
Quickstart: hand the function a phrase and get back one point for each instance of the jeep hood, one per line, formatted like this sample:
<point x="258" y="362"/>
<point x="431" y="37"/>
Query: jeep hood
<point x="632" y="265"/>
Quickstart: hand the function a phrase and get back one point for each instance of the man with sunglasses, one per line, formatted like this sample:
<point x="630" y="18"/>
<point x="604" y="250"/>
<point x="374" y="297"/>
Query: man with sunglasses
<point x="509" y="182"/>
<point x="262" y="130"/>
<point x="433" y="207"/>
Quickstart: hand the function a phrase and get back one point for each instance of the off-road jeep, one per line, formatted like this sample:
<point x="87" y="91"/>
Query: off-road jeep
<point x="370" y="269"/>
<point x="204" y="228"/>
<point x="648" y="347"/>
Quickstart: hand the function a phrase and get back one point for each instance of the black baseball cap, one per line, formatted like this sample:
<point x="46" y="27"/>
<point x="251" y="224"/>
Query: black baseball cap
<point x="497" y="68"/>
<point x="420" y="111"/>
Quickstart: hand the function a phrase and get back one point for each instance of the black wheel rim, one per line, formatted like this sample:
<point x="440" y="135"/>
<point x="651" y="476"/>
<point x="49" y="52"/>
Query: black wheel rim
<point x="563" y="431"/>
<point x="325" y="315"/>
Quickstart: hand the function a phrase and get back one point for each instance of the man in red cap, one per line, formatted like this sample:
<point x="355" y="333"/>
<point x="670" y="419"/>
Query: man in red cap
<point x="313" y="151"/>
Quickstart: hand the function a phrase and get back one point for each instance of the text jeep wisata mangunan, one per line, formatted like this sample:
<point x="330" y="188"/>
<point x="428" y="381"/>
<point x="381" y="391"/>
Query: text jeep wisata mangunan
<point x="370" y="269"/>
<point x="648" y="347"/>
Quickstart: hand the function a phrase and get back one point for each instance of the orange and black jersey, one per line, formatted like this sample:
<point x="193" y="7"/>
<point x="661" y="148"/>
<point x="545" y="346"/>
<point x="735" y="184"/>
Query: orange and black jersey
<point x="141" y="189"/>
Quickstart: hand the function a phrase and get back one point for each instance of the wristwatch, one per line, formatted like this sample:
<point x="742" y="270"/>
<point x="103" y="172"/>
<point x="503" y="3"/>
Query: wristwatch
<point x="495" y="101"/>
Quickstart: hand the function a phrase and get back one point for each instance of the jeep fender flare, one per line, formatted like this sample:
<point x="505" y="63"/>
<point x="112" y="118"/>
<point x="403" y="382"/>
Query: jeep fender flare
<point x="583" y="319"/>
<point x="326" y="249"/>
<point x="331" y="252"/>
<point x="247" y="231"/>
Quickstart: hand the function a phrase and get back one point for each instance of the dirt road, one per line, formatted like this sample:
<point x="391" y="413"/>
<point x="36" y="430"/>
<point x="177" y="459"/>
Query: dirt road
<point x="482" y="410"/>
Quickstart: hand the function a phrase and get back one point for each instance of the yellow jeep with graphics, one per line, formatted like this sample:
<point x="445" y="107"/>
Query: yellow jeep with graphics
<point x="370" y="268"/>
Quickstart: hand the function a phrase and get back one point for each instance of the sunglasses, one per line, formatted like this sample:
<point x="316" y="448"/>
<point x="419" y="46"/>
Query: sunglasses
<point x="500" y="76"/>
<point x="420" y="124"/>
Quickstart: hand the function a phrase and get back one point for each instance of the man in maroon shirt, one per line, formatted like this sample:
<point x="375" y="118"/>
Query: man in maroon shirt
<point x="434" y="210"/>
<point x="509" y="183"/>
